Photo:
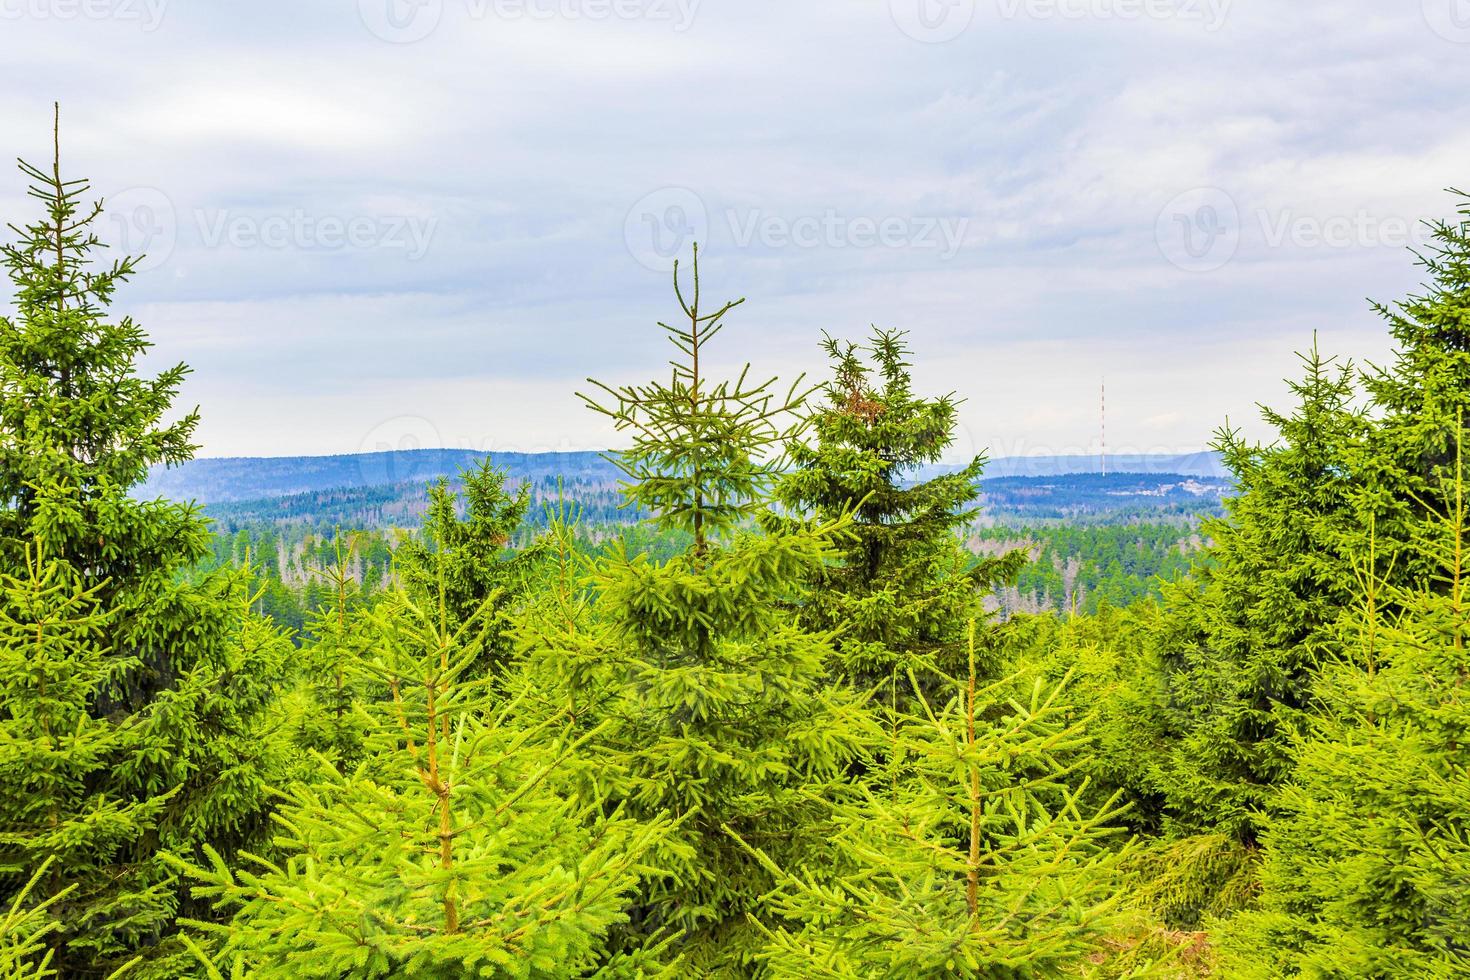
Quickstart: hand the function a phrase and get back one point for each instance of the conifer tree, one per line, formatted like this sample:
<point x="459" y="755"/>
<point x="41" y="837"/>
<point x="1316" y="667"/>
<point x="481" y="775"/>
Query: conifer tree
<point x="472" y="554"/>
<point x="186" y="670"/>
<point x="54" y="814"/>
<point x="904" y="586"/>
<point x="722" y="716"/>
<point x="1367" y="860"/>
<point x="24" y="927"/>
<point x="981" y="861"/>
<point x="1420" y="402"/>
<point x="327" y="722"/>
<point x="450" y="850"/>
<point x="1243" y="639"/>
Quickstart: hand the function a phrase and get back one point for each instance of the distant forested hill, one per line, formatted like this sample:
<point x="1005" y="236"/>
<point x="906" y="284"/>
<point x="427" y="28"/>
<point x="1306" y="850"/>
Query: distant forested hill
<point x="210" y="481"/>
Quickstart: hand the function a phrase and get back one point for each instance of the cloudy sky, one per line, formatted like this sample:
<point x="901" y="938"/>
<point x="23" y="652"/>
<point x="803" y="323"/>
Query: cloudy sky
<point x="382" y="223"/>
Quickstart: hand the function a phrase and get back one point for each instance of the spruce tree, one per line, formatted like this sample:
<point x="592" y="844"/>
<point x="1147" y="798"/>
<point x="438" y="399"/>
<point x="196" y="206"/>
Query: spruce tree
<point x="452" y="849"/>
<point x="1245" y="636"/>
<point x="1367" y="858"/>
<point x="722" y="716"/>
<point x="187" y="669"/>
<point x="57" y="813"/>
<point x="472" y="554"/>
<point x="1420" y="403"/>
<point x="977" y="860"/>
<point x="903" y="586"/>
<point x="324" y="718"/>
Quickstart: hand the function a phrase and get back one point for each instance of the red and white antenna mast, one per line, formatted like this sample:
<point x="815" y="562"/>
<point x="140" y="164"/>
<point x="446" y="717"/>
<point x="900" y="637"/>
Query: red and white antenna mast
<point x="1103" y="425"/>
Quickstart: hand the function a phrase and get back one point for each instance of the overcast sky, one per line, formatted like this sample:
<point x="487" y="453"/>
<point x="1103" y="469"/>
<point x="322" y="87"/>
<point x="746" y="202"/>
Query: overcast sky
<point x="387" y="223"/>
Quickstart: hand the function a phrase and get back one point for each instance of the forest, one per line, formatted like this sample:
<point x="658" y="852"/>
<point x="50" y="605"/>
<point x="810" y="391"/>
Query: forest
<point x="809" y="716"/>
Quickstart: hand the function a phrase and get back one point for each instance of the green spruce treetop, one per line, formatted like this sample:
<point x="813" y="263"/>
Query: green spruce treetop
<point x="722" y="714"/>
<point x="472" y="556"/>
<point x="904" y="586"/>
<point x="74" y="412"/>
<point x="699" y="462"/>
<point x="180" y="665"/>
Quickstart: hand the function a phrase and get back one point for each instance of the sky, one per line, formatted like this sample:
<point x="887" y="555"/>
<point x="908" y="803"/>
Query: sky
<point x="375" y="224"/>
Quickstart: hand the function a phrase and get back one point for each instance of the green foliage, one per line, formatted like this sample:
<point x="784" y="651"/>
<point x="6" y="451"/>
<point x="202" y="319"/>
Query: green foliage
<point x="143" y="715"/>
<point x="903" y="586"/>
<point x="470" y="557"/>
<point x="1367" y="861"/>
<point x="977" y="858"/>
<point x="448" y="850"/>
<point x="697" y="462"/>
<point x="1243" y="641"/>
<point x="716" y="693"/>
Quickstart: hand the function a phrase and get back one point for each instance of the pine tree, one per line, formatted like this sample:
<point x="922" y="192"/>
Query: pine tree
<point x="78" y="430"/>
<point x="904" y="585"/>
<point x="326" y="721"/>
<point x="450" y="850"/>
<point x="472" y="554"/>
<point x="1367" y="860"/>
<point x="722" y="717"/>
<point x="980" y="861"/>
<point x="1241" y="641"/>
<point x="1420" y="404"/>
<point x="54" y="815"/>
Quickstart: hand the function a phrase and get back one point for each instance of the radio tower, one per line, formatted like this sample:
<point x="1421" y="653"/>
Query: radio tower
<point x="1103" y="423"/>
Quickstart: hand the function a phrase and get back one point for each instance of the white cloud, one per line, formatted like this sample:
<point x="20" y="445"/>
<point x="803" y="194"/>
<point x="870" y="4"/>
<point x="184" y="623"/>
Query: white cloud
<point x="526" y="140"/>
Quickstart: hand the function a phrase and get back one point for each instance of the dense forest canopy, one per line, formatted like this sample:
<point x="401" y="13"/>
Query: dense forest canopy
<point x="804" y="711"/>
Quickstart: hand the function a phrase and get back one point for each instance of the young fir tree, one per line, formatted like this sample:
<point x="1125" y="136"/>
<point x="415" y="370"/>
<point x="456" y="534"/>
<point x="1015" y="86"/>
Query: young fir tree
<point x="1420" y="404"/>
<point x="1367" y="860"/>
<point x="980" y="861"/>
<point x="473" y="554"/>
<point x="450" y="850"/>
<point x="1241" y="641"/>
<point x="723" y="719"/>
<point x="187" y="673"/>
<point x="54" y="814"/>
<point x="324" y="718"/>
<point x="904" y="585"/>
